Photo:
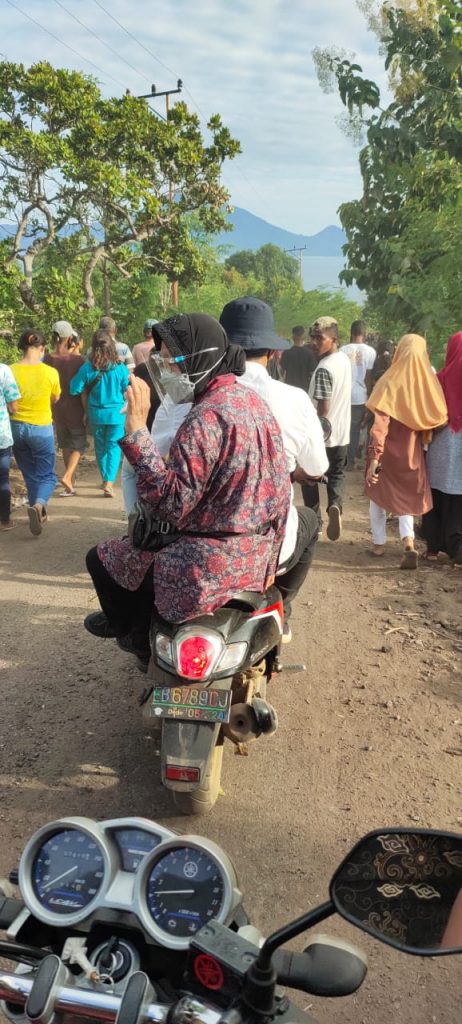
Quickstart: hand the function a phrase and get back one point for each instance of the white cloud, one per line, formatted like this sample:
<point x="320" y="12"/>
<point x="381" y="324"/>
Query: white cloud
<point x="248" y="59"/>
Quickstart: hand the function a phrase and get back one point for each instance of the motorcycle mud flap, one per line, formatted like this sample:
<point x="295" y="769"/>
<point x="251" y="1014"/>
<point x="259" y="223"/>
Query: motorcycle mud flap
<point x="185" y="751"/>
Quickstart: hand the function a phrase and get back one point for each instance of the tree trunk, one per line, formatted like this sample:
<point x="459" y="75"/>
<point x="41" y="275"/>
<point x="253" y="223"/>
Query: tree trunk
<point x="97" y="254"/>
<point x="106" y="289"/>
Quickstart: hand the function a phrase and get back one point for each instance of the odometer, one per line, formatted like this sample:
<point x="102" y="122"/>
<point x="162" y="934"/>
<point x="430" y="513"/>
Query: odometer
<point x="185" y="889"/>
<point x="67" y="872"/>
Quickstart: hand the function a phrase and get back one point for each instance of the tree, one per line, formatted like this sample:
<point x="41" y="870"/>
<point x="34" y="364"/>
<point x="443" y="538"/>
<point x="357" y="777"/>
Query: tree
<point x="271" y="266"/>
<point x="107" y="169"/>
<point x="405" y="230"/>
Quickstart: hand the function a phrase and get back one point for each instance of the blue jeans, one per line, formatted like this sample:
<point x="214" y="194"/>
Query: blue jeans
<point x="34" y="451"/>
<point x="107" y="450"/>
<point x="5" y="493"/>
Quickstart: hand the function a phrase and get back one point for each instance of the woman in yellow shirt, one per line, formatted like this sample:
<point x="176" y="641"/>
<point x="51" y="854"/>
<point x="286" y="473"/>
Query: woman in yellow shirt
<point x="31" y="424"/>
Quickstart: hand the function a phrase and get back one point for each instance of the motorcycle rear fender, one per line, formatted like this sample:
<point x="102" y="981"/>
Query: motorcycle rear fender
<point x="188" y="745"/>
<point x="259" y="629"/>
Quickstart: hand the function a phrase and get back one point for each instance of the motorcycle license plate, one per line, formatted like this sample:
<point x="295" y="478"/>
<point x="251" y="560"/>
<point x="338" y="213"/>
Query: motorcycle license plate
<point x="191" y="703"/>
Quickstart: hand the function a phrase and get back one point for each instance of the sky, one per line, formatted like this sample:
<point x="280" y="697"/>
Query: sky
<point x="249" y="60"/>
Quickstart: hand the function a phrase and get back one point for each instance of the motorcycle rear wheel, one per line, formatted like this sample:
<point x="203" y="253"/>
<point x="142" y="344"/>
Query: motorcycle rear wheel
<point x="202" y="799"/>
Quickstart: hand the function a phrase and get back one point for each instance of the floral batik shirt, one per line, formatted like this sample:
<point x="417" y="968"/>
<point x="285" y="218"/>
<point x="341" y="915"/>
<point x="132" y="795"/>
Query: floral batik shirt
<point x="226" y="474"/>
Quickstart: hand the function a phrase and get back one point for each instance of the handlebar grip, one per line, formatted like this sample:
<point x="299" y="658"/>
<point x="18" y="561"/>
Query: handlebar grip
<point x="329" y="967"/>
<point x="138" y="994"/>
<point x="9" y="910"/>
<point x="49" y="976"/>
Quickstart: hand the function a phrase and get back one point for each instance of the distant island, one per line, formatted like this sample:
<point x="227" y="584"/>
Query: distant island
<point x="250" y="232"/>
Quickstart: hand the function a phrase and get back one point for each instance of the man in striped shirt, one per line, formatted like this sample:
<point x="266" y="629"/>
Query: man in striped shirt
<point x="330" y="390"/>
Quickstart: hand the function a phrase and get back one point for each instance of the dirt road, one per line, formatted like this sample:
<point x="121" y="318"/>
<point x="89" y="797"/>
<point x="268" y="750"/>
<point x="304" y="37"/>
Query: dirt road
<point x="369" y="736"/>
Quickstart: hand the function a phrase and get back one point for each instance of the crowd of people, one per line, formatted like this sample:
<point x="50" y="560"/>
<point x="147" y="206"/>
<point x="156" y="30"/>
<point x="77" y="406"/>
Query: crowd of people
<point x="216" y="421"/>
<point x="51" y="400"/>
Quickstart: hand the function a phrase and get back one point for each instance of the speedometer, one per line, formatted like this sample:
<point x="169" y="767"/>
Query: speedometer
<point x="182" y="886"/>
<point x="68" y="871"/>
<point x="64" y="871"/>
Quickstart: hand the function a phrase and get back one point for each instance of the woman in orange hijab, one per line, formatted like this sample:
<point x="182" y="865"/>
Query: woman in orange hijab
<point x="408" y="404"/>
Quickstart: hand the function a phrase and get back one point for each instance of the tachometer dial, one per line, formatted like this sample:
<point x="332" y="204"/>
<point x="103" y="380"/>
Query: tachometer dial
<point x="184" y="890"/>
<point x="67" y="872"/>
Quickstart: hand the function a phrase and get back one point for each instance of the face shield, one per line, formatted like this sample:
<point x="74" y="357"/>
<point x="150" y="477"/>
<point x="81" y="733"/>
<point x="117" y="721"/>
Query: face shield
<point x="179" y="387"/>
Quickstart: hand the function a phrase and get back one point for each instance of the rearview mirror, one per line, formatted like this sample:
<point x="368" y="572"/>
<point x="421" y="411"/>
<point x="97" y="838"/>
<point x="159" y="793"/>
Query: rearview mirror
<point x="404" y="888"/>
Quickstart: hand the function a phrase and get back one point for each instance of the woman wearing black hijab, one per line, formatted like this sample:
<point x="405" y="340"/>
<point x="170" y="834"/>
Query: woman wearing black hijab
<point x="225" y="490"/>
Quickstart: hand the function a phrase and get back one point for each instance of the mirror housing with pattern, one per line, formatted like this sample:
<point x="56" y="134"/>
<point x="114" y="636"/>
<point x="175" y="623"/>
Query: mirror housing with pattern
<point x="405" y="888"/>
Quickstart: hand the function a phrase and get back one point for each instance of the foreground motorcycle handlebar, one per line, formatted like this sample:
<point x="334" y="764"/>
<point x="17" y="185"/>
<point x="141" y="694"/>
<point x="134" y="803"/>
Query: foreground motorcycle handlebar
<point x="101" y="1006"/>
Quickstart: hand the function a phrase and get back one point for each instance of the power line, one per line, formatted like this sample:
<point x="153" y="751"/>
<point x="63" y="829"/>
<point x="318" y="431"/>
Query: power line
<point x="128" y="33"/>
<point x="107" y="45"/>
<point x="62" y="43"/>
<point x="171" y="72"/>
<point x="105" y="74"/>
<point x="148" y="51"/>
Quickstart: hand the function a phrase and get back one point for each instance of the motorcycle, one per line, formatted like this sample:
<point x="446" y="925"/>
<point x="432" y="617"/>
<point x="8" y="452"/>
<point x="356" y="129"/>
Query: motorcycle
<point x="209" y="683"/>
<point x="124" y="920"/>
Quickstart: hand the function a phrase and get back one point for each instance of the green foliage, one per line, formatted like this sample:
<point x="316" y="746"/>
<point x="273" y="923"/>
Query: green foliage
<point x="404" y="234"/>
<point x="273" y="275"/>
<point x="305" y="307"/>
<point x="275" y="269"/>
<point x="127" y="180"/>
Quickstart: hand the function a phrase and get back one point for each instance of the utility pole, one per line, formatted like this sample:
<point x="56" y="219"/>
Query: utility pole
<point x="300" y="250"/>
<point x="153" y="95"/>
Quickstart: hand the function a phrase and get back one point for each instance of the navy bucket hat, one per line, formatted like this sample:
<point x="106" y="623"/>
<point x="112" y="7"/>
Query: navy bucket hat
<point x="249" y="322"/>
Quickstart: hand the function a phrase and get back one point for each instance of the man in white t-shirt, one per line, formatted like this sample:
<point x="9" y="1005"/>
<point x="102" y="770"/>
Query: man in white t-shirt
<point x="330" y="390"/>
<point x="248" y="322"/>
<point x="362" y="358"/>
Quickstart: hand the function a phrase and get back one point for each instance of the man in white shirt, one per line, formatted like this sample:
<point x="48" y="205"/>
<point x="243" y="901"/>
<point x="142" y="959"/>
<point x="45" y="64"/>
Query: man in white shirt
<point x="330" y="390"/>
<point x="249" y="322"/>
<point x="362" y="358"/>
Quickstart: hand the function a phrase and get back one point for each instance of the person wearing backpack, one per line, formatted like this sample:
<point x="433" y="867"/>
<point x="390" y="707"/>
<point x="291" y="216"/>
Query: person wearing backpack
<point x="102" y="382"/>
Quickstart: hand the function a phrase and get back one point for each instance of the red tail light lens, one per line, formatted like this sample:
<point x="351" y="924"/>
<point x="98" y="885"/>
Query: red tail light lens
<point x="178" y="774"/>
<point x="196" y="656"/>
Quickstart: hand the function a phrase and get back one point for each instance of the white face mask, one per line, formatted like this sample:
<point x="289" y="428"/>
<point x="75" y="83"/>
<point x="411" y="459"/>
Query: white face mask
<point x="179" y="387"/>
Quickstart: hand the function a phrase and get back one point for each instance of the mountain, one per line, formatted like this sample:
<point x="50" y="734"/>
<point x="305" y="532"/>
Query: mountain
<point x="251" y="232"/>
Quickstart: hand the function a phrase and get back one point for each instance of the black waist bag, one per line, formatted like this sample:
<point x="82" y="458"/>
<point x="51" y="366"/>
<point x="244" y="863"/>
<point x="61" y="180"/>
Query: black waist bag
<point x="147" y="533"/>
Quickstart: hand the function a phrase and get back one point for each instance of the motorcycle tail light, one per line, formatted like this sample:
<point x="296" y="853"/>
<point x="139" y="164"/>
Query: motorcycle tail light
<point x="196" y="654"/>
